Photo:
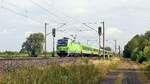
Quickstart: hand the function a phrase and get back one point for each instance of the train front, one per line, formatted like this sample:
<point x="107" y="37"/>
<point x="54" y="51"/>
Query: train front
<point x="62" y="49"/>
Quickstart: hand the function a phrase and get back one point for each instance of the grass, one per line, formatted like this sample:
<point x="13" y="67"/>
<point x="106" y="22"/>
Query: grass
<point x="146" y="67"/>
<point x="148" y="71"/>
<point x="144" y="76"/>
<point x="11" y="54"/>
<point x="119" y="79"/>
<point x="84" y="71"/>
<point x="22" y="56"/>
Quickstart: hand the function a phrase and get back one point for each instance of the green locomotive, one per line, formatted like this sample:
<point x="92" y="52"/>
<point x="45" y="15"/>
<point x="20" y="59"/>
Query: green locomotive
<point x="69" y="48"/>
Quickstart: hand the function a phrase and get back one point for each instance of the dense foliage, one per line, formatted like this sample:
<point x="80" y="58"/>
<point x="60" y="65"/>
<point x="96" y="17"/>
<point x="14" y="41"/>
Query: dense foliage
<point x="33" y="45"/>
<point x="138" y="47"/>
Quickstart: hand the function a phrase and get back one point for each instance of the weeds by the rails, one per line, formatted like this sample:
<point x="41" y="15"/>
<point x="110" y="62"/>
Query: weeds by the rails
<point x="82" y="72"/>
<point x="147" y="73"/>
<point x="119" y="79"/>
<point x="144" y="75"/>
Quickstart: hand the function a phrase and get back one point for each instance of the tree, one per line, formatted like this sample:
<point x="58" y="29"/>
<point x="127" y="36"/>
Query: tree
<point x="132" y="44"/>
<point x="135" y="54"/>
<point x="147" y="51"/>
<point x="127" y="52"/>
<point x="138" y="47"/>
<point x="34" y="44"/>
<point x="147" y="35"/>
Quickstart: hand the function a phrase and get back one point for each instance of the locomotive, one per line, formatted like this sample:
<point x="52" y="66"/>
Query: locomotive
<point x="69" y="48"/>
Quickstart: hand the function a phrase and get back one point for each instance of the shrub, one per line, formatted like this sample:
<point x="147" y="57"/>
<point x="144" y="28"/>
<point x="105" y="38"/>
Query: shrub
<point x="147" y="52"/>
<point x="135" y="55"/>
<point x="138" y="55"/>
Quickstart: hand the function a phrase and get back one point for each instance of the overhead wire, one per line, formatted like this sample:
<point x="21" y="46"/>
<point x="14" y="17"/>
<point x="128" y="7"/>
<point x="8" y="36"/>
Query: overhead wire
<point x="20" y="14"/>
<point x="57" y="28"/>
<point x="45" y="9"/>
<point x="24" y="9"/>
<point x="89" y="27"/>
<point x="17" y="13"/>
<point x="85" y="24"/>
<point x="69" y="17"/>
<point x="50" y="11"/>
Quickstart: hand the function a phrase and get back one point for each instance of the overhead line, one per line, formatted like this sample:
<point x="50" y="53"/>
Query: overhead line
<point x="63" y="15"/>
<point x="25" y="9"/>
<point x="10" y="10"/>
<point x="60" y="11"/>
<point x="57" y="28"/>
<point x="37" y="4"/>
<point x="89" y="27"/>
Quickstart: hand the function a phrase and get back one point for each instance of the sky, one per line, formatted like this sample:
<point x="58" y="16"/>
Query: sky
<point x="123" y="19"/>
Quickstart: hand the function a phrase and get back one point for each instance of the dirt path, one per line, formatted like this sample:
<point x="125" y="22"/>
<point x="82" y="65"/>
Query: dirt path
<point x="124" y="74"/>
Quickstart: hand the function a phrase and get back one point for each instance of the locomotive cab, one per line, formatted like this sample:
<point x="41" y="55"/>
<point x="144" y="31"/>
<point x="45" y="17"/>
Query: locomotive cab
<point x="62" y="49"/>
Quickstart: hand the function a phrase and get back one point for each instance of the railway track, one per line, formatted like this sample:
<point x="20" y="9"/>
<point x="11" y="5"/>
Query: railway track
<point x="47" y="58"/>
<point x="11" y="63"/>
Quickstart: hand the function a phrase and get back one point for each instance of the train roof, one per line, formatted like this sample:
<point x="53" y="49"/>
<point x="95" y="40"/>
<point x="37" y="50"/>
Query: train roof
<point x="66" y="38"/>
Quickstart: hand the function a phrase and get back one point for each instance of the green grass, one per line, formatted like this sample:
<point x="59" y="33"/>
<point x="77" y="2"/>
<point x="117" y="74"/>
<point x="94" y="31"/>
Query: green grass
<point x="76" y="73"/>
<point x="148" y="69"/>
<point x="20" y="55"/>
<point x="15" y="54"/>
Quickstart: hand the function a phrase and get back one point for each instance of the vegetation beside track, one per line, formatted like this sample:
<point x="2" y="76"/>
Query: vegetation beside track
<point x="144" y="74"/>
<point x="15" y="54"/>
<point x="138" y="48"/>
<point x="146" y="67"/>
<point x="83" y="71"/>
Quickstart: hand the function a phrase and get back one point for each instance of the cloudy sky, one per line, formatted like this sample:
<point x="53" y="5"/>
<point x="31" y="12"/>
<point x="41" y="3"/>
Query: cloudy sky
<point x="123" y="19"/>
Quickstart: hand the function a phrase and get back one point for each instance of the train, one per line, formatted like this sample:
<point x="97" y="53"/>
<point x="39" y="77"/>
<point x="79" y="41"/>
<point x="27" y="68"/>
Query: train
<point x="67" y="47"/>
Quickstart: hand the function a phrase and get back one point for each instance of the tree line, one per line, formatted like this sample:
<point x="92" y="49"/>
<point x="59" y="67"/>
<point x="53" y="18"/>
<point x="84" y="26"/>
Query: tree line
<point x="138" y="47"/>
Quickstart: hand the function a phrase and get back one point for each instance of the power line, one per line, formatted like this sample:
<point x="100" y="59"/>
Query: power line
<point x="60" y="12"/>
<point x="20" y="14"/>
<point x="22" y="8"/>
<point x="89" y="27"/>
<point x="61" y="26"/>
<point x="69" y="17"/>
<point x="37" y="4"/>
<point x="57" y="28"/>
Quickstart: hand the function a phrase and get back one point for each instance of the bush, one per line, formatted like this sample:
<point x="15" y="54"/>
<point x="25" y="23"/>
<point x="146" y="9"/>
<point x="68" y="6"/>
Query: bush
<point x="138" y="55"/>
<point x="135" y="55"/>
<point x="147" y="52"/>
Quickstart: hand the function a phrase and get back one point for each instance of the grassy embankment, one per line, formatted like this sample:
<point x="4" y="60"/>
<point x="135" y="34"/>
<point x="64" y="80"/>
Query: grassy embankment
<point x="147" y="69"/>
<point x="83" y="71"/>
<point x="11" y="54"/>
<point x="144" y="75"/>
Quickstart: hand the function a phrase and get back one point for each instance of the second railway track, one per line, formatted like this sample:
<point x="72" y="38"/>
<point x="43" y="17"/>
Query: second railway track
<point x="11" y="63"/>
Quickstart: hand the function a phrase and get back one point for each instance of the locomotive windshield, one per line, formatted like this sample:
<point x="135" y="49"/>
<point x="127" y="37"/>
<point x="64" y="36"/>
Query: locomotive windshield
<point x="62" y="42"/>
